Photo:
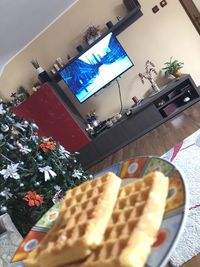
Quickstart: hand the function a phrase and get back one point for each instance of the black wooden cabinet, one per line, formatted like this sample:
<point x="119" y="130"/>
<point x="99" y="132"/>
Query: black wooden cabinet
<point x="178" y="95"/>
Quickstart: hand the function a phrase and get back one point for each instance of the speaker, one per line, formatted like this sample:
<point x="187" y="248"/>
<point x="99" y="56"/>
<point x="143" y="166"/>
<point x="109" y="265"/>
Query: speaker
<point x="109" y="24"/>
<point x="44" y="77"/>
<point x="129" y="4"/>
<point x="79" y="48"/>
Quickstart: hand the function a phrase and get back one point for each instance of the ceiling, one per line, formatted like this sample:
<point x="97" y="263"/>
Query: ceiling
<point x="21" y="21"/>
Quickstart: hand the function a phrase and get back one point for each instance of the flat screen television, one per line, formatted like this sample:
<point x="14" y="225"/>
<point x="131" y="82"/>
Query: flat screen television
<point x="96" y="67"/>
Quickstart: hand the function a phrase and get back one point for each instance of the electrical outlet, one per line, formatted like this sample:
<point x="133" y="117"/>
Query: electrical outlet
<point x="155" y="9"/>
<point x="163" y="3"/>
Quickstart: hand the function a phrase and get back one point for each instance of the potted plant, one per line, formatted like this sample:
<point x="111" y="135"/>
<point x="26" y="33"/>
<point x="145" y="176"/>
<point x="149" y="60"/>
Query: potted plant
<point x="91" y="34"/>
<point x="36" y="65"/>
<point x="173" y="68"/>
<point x="42" y="74"/>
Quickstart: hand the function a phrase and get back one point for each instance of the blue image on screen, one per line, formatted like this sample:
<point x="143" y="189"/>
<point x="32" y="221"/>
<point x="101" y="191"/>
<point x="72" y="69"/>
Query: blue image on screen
<point x="95" y="68"/>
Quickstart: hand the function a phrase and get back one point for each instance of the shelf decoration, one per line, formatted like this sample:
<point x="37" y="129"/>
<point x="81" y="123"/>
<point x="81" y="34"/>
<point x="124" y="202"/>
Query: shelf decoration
<point x="173" y="68"/>
<point x="91" y="34"/>
<point x="148" y="74"/>
<point x="19" y="96"/>
<point x="42" y="74"/>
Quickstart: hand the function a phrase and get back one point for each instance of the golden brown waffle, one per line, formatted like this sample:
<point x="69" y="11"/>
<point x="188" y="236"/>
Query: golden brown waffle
<point x="134" y="224"/>
<point x="85" y="213"/>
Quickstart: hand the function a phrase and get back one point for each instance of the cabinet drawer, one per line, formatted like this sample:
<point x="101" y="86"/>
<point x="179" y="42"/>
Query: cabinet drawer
<point x="110" y="141"/>
<point x="88" y="155"/>
<point x="139" y="122"/>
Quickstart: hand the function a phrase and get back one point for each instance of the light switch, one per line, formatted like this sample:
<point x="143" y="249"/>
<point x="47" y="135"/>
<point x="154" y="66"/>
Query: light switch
<point x="155" y="9"/>
<point x="163" y="3"/>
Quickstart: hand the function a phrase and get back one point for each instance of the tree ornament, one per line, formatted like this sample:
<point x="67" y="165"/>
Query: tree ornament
<point x="57" y="187"/>
<point x="25" y="123"/>
<point x="1" y="136"/>
<point x="4" y="128"/>
<point x="3" y="194"/>
<point x="3" y="209"/>
<point x="75" y="160"/>
<point x="21" y="184"/>
<point x="2" y="109"/>
<point x="47" y="145"/>
<point x="33" y="199"/>
<point x="39" y="157"/>
<point x="58" y="197"/>
<point x="10" y="146"/>
<point x="6" y="193"/>
<point x="19" y="145"/>
<point x="64" y="153"/>
<point x="34" y="126"/>
<point x="25" y="150"/>
<point x="37" y="184"/>
<point x="91" y="176"/>
<point x="14" y="132"/>
<point x="10" y="171"/>
<point x="20" y="126"/>
<point x="48" y="173"/>
<point x="77" y="174"/>
<point x="10" y="119"/>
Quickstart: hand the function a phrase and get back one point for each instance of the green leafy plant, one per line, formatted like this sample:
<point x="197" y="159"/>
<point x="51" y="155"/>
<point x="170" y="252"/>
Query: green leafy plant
<point x="35" y="63"/>
<point x="172" y="66"/>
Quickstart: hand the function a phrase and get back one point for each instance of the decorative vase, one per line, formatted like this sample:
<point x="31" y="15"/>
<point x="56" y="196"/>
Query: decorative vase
<point x="177" y="74"/>
<point x="154" y="86"/>
<point x="93" y="38"/>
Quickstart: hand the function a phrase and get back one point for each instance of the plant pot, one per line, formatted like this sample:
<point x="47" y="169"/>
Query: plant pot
<point x="177" y="74"/>
<point x="92" y="39"/>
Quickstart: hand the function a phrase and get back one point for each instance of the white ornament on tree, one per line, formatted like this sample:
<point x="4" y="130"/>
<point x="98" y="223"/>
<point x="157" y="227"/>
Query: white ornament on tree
<point x="10" y="171"/>
<point x="48" y="173"/>
<point x="2" y="110"/>
<point x="6" y="193"/>
<point x="77" y="174"/>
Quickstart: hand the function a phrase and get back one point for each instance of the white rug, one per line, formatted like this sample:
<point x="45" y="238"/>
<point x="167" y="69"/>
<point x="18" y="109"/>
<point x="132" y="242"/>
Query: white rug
<point x="186" y="157"/>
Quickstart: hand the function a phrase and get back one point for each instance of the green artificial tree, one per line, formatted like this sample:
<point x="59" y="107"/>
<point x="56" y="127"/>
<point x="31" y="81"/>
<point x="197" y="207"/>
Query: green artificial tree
<point x="35" y="171"/>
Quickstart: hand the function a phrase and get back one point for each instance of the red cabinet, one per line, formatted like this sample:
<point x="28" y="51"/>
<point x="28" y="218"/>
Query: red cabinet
<point x="53" y="118"/>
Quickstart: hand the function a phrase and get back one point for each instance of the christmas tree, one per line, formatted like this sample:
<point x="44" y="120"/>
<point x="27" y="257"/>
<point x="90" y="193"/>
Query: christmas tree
<point x="35" y="172"/>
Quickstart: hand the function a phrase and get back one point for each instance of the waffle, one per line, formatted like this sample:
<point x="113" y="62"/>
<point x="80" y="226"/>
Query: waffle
<point x="84" y="216"/>
<point x="134" y="224"/>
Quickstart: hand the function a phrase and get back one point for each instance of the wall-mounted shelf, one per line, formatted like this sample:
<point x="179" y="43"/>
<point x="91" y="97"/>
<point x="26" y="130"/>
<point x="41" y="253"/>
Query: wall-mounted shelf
<point x="117" y="28"/>
<point x="131" y="17"/>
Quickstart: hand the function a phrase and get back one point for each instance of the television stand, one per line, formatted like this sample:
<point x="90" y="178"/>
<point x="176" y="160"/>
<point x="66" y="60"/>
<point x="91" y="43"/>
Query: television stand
<point x="175" y="97"/>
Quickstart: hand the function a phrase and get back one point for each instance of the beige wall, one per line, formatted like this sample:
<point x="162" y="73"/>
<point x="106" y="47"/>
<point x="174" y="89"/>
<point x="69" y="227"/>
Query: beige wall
<point x="197" y="3"/>
<point x="154" y="36"/>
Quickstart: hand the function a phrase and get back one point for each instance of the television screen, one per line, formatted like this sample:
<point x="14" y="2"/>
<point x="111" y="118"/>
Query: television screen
<point x="96" y="67"/>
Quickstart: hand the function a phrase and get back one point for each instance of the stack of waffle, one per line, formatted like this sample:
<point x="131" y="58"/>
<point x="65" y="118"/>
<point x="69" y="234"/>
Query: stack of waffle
<point x="101" y="224"/>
